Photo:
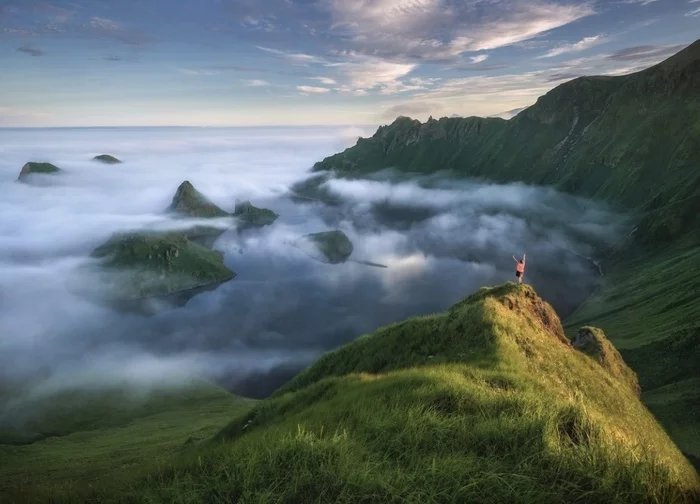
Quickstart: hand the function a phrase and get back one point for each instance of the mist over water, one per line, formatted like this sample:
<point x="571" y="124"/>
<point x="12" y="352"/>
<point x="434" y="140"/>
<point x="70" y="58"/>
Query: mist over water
<point x="440" y="240"/>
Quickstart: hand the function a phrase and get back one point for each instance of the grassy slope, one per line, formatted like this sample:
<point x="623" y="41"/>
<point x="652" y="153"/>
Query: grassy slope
<point x="487" y="402"/>
<point x="632" y="140"/>
<point x="649" y="307"/>
<point x="102" y="436"/>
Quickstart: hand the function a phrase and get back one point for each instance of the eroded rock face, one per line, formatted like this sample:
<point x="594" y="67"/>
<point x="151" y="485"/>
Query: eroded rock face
<point x="34" y="168"/>
<point x="107" y="159"/>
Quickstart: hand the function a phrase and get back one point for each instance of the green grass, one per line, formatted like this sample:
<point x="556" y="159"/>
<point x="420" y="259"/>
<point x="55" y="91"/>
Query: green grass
<point x="648" y="305"/>
<point x="105" y="436"/>
<point x="487" y="402"/>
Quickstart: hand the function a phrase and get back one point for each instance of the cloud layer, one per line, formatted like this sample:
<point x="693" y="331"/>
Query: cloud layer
<point x="440" y="242"/>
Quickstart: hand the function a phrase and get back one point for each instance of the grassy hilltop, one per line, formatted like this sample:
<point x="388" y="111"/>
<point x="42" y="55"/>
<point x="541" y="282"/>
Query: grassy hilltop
<point x="631" y="140"/>
<point x="487" y="402"/>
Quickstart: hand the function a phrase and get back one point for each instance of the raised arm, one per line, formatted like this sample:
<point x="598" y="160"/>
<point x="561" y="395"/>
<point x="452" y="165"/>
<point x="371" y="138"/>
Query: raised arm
<point x="515" y="259"/>
<point x="523" y="258"/>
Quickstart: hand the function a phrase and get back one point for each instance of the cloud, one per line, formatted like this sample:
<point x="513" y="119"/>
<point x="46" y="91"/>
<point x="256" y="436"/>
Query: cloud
<point x="256" y="83"/>
<point x="693" y="13"/>
<point x="294" y="58"/>
<point x="324" y="80"/>
<point x="105" y="25"/>
<point x="32" y="51"/>
<point x="645" y="52"/>
<point x="364" y="72"/>
<point x="581" y="45"/>
<point x="509" y="114"/>
<point x="640" y="2"/>
<point x="313" y="89"/>
<point x="410" y="110"/>
<point x="479" y="58"/>
<point x="435" y="29"/>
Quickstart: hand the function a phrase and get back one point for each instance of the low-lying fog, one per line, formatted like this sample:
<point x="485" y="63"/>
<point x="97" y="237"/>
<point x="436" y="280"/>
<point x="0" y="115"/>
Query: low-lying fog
<point x="440" y="240"/>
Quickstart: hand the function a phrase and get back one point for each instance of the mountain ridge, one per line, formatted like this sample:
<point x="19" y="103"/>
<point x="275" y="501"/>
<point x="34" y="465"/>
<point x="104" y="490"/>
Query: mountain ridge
<point x="592" y="136"/>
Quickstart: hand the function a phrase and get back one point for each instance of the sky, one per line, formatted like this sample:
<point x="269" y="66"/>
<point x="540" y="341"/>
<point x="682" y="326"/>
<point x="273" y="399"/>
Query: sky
<point x="314" y="62"/>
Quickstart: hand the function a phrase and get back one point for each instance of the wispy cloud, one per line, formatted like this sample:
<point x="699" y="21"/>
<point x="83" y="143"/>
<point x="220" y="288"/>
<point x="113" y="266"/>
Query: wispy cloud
<point x="640" y="2"/>
<point x="581" y="45"/>
<point x="433" y="29"/>
<point x="324" y="80"/>
<point x="32" y="51"/>
<point x="256" y="83"/>
<point x="479" y="58"/>
<point x="294" y="58"/>
<point x="313" y="89"/>
<point x="645" y="53"/>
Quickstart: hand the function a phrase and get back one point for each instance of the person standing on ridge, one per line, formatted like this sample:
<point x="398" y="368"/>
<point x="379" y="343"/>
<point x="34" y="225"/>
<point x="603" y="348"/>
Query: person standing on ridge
<point x="519" y="268"/>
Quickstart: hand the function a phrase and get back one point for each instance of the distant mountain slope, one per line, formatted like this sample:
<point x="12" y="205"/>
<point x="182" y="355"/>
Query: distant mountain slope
<point x="633" y="140"/>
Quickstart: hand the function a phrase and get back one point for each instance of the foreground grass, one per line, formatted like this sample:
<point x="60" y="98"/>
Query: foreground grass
<point x="648" y="307"/>
<point x="99" y="439"/>
<point x="487" y="402"/>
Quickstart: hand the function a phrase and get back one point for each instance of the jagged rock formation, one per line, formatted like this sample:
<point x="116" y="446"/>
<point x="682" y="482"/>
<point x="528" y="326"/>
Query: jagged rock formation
<point x="251" y="216"/>
<point x="189" y="202"/>
<point x="34" y="168"/>
<point x="333" y="246"/>
<point x="106" y="159"/>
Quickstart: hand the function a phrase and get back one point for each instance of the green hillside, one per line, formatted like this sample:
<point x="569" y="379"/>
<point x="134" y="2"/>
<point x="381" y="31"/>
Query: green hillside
<point x="77" y="439"/>
<point x="632" y="140"/>
<point x="487" y="402"/>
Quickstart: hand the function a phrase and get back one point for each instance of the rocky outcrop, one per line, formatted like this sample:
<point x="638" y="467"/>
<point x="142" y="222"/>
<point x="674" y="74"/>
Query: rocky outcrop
<point x="329" y="246"/>
<point x="189" y="202"/>
<point x="34" y="168"/>
<point x="252" y="216"/>
<point x="592" y="342"/>
<point x="106" y="159"/>
<point x="135" y="267"/>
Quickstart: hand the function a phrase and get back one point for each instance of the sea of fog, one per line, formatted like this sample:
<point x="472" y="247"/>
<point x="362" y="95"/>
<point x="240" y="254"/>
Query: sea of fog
<point x="440" y="240"/>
